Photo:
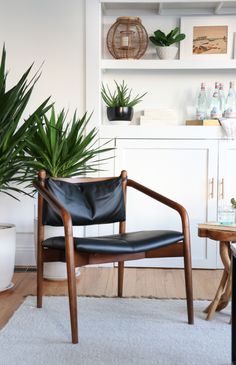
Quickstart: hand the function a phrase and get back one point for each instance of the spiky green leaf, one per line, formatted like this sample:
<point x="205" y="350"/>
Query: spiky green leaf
<point x="121" y="97"/>
<point x="14" y="133"/>
<point x="64" y="149"/>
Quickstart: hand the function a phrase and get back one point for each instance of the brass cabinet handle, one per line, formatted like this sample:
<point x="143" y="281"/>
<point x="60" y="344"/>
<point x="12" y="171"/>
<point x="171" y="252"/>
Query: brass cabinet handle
<point x="211" y="195"/>
<point x="222" y="188"/>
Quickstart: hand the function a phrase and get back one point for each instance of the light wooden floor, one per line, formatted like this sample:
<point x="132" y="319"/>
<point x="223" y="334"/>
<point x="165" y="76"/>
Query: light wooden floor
<point x="157" y="283"/>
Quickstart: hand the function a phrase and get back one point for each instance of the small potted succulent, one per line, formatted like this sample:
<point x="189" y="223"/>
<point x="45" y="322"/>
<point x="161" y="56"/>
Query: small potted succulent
<point x="233" y="202"/>
<point x="120" y="103"/>
<point x="165" y="44"/>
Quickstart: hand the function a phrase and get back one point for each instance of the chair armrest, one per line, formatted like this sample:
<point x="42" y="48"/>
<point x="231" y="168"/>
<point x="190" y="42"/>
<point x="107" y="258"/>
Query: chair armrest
<point x="162" y="199"/>
<point x="56" y="205"/>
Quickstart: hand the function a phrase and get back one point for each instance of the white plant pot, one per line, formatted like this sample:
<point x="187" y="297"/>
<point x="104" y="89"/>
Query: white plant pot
<point x="167" y="53"/>
<point x="53" y="270"/>
<point x="7" y="255"/>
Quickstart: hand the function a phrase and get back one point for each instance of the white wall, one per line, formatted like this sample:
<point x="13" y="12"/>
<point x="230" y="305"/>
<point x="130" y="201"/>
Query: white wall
<point x="49" y="31"/>
<point x="52" y="31"/>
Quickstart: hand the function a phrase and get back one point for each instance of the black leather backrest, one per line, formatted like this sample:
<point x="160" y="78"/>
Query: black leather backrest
<point x="88" y="203"/>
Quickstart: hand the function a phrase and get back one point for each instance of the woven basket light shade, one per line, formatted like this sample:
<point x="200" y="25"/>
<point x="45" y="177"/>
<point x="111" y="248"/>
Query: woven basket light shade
<point x="127" y="38"/>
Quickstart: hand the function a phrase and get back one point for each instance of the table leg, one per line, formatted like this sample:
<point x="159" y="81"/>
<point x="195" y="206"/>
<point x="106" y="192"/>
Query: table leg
<point x="223" y="293"/>
<point x="226" y="259"/>
<point x="233" y="311"/>
<point x="226" y="296"/>
<point x="212" y="307"/>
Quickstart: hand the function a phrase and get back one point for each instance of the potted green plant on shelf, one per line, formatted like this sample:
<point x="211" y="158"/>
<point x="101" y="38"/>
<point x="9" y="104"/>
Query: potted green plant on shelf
<point x="233" y="202"/>
<point x="120" y="103"/>
<point x="165" y="43"/>
<point x="13" y="171"/>
<point x="63" y="149"/>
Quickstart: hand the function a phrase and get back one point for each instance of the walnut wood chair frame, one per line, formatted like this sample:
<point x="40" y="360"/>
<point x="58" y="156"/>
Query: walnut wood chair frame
<point x="75" y="259"/>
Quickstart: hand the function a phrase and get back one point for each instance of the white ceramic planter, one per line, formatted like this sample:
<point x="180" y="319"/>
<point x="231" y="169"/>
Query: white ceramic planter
<point x="53" y="270"/>
<point x="7" y="255"/>
<point x="167" y="53"/>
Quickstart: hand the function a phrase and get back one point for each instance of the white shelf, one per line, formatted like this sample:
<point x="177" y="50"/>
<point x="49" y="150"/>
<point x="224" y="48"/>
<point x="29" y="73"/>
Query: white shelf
<point x="169" y="132"/>
<point x="167" y="64"/>
<point x="169" y="7"/>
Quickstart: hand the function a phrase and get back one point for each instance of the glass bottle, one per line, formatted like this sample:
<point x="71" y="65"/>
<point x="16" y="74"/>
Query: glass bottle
<point x="226" y="213"/>
<point x="201" y="110"/>
<point x="215" y="103"/>
<point x="230" y="111"/>
<point x="222" y="99"/>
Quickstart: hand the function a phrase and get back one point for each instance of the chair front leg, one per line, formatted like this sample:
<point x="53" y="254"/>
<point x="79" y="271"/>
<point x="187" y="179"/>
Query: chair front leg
<point x="71" y="279"/>
<point x="188" y="279"/>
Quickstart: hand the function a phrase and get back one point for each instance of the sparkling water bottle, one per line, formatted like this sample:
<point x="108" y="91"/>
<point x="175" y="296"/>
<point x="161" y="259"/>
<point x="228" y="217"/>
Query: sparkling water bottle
<point x="215" y="103"/>
<point x="201" y="110"/>
<point x="230" y="109"/>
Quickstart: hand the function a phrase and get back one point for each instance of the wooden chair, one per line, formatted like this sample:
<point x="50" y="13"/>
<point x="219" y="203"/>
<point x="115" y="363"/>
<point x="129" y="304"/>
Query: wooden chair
<point x="86" y="201"/>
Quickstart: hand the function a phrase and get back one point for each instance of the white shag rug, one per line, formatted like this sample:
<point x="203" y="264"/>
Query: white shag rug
<point x="115" y="331"/>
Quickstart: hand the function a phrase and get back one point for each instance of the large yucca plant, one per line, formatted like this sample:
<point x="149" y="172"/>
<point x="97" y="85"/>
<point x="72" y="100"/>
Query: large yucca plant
<point x="13" y="102"/>
<point x="64" y="149"/>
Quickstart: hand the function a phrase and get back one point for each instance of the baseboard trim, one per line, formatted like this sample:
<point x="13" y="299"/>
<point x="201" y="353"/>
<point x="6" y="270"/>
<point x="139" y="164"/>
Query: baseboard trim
<point x="25" y="269"/>
<point x="25" y="249"/>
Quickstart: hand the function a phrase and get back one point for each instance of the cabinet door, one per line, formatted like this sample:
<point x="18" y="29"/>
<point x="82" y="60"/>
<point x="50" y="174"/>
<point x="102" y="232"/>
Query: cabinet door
<point x="183" y="170"/>
<point x="227" y="171"/>
<point x="227" y="175"/>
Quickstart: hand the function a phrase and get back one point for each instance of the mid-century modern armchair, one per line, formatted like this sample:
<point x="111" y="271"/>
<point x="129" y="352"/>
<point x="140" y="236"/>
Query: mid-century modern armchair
<point x="86" y="201"/>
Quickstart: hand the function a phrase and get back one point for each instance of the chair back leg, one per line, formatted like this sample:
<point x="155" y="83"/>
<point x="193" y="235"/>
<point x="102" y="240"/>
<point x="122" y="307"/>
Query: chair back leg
<point x="40" y="235"/>
<point x="39" y="280"/>
<point x="120" y="278"/>
<point x="40" y="238"/>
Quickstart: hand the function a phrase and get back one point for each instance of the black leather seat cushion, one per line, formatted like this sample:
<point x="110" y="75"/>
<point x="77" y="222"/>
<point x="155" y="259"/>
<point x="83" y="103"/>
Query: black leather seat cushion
<point x="133" y="242"/>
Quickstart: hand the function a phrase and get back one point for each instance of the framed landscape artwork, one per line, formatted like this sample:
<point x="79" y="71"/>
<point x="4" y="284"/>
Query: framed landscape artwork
<point x="207" y="38"/>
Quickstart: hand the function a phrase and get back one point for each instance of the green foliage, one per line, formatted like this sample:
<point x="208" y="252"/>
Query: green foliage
<point x="121" y="97"/>
<point x="13" y="102"/>
<point x="63" y="150"/>
<point x="233" y="202"/>
<point x="163" y="40"/>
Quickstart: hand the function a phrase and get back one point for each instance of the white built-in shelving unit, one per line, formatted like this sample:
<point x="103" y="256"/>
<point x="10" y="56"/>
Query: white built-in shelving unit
<point x="184" y="162"/>
<point x="149" y="73"/>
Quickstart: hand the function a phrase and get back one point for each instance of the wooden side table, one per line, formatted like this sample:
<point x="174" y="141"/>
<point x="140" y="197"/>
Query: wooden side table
<point x="224" y="235"/>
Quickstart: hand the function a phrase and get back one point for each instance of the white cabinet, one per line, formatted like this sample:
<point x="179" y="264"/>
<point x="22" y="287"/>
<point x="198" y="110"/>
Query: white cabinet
<point x="197" y="173"/>
<point x="185" y="171"/>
